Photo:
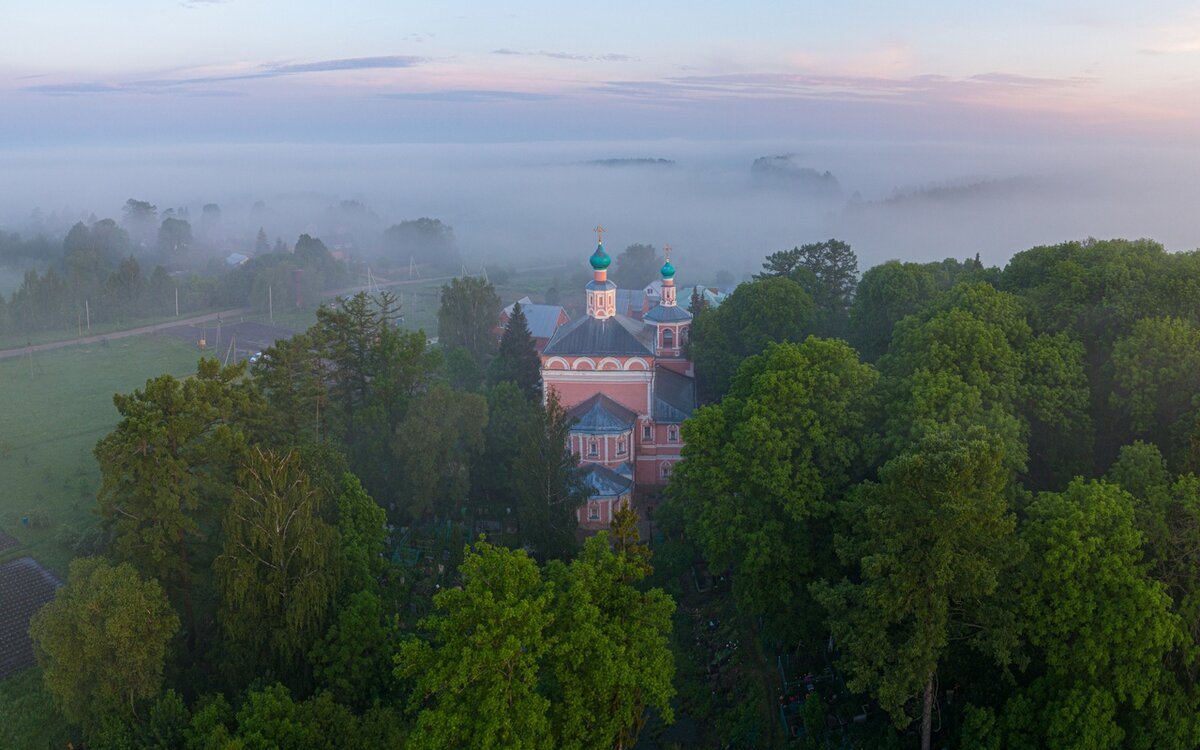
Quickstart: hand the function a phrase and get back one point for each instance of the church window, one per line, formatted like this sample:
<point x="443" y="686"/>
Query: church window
<point x="621" y="447"/>
<point x="673" y="434"/>
<point x="593" y="450"/>
<point x="668" y="339"/>
<point x="665" y="471"/>
<point x="683" y="334"/>
<point x="647" y="433"/>
<point x="593" y="511"/>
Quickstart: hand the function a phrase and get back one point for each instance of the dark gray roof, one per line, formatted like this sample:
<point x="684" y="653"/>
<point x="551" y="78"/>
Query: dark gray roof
<point x="588" y="336"/>
<point x="663" y="314"/>
<point x="542" y="319"/>
<point x="674" y="396"/>
<point x="603" y="482"/>
<point x="630" y="301"/>
<point x="600" y="414"/>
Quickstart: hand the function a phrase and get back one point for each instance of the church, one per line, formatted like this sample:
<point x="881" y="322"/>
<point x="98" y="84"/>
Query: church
<point x="628" y="386"/>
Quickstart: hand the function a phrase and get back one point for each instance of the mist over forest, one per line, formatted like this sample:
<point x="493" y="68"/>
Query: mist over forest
<point x="529" y="204"/>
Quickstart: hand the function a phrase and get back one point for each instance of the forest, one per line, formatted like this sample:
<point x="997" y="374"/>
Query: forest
<point x="957" y="504"/>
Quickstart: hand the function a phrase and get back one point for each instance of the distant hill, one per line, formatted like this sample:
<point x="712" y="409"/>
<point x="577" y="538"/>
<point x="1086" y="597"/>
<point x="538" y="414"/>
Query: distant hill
<point x="639" y="162"/>
<point x="784" y="171"/>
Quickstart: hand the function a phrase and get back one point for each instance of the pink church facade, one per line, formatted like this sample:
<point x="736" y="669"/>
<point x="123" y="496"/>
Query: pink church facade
<point x="628" y="387"/>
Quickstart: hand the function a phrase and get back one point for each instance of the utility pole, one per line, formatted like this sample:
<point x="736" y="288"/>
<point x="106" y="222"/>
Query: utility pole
<point x="87" y="308"/>
<point x="177" y="302"/>
<point x="218" y="330"/>
<point x="270" y="304"/>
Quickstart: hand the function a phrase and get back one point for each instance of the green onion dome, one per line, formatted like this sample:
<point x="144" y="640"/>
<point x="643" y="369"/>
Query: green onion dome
<point x="600" y="260"/>
<point x="668" y="270"/>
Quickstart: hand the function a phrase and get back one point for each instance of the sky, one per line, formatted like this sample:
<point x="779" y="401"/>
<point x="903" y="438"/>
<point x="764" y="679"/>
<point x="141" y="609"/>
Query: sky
<point x="952" y="128"/>
<point x="78" y="72"/>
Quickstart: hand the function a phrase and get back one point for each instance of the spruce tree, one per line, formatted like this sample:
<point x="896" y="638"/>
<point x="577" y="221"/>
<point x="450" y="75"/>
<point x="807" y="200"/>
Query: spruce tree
<point x="518" y="359"/>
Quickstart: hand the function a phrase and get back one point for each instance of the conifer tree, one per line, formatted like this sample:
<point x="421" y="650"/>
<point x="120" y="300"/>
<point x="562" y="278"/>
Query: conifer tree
<point x="518" y="359"/>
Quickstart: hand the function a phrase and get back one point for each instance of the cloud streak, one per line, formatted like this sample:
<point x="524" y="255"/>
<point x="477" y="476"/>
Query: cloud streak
<point x="272" y="70"/>
<point x="609" y="57"/>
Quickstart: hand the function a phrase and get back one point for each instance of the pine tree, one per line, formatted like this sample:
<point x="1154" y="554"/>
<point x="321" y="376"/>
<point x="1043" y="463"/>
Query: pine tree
<point x="262" y="245"/>
<point x="518" y="359"/>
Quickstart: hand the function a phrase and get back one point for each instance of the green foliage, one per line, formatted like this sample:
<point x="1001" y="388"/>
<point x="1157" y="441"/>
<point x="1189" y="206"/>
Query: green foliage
<point x="1101" y="626"/>
<point x="102" y="643"/>
<point x="354" y="660"/>
<point x="440" y="437"/>
<point x="167" y="467"/>
<point x="362" y="529"/>
<point x="467" y="316"/>
<point x="1157" y="376"/>
<point x="828" y="271"/>
<point x="476" y="683"/>
<point x="758" y="313"/>
<point x="887" y="294"/>
<point x="611" y="656"/>
<point x="762" y="470"/>
<point x="515" y="659"/>
<point x="930" y="541"/>
<point x="548" y="482"/>
<point x="278" y="566"/>
<point x="518" y="361"/>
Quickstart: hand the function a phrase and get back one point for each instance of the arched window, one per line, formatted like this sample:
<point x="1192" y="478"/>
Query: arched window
<point x="673" y="433"/>
<point x="593" y="511"/>
<point x="665" y="470"/>
<point x="593" y="450"/>
<point x="668" y="338"/>
<point x="647" y="433"/>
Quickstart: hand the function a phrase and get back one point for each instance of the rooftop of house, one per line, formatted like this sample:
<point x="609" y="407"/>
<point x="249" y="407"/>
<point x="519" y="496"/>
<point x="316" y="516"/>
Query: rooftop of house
<point x="615" y="336"/>
<point x="674" y="396"/>
<point x="601" y="415"/>
<point x="604" y="482"/>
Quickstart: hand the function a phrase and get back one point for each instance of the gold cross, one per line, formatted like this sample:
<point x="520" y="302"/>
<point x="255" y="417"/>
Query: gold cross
<point x="667" y="251"/>
<point x="599" y="230"/>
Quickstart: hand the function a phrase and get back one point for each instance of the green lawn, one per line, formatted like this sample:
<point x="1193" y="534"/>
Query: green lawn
<point x="55" y="409"/>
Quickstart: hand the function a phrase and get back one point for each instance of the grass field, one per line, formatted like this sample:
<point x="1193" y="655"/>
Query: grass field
<point x="55" y="409"/>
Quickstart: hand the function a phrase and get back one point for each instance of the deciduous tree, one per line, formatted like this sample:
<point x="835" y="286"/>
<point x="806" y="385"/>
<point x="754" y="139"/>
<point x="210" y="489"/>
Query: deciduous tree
<point x="102" y="642"/>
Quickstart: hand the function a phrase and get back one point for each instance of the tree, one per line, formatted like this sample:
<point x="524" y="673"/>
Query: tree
<point x="496" y="475"/>
<point x="611" y="657"/>
<point x="477" y="680"/>
<point x="1102" y="628"/>
<point x="518" y="361"/>
<point x="549" y="483"/>
<point x="1157" y="374"/>
<point x="636" y="266"/>
<point x="424" y="241"/>
<point x="696" y="302"/>
<point x="277" y="569"/>
<point x="354" y="660"/>
<point x="762" y="469"/>
<point x="467" y="316"/>
<point x="174" y="237"/>
<point x="758" y="313"/>
<point x="362" y="532"/>
<point x="102" y="642"/>
<point x="886" y="294"/>
<point x="165" y="469"/>
<point x="440" y="437"/>
<point x="262" y="245"/>
<point x="930" y="542"/>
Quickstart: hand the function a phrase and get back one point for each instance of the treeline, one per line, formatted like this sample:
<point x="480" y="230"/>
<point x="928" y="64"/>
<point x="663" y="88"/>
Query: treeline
<point x="281" y="560"/>
<point x="973" y="490"/>
<point x="98" y="280"/>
